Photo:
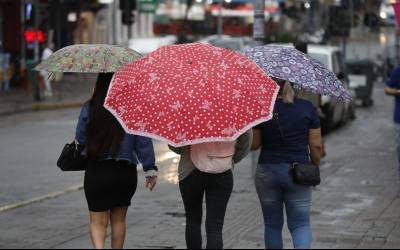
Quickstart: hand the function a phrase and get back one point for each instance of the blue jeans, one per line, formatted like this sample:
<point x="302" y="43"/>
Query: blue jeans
<point x="275" y="188"/>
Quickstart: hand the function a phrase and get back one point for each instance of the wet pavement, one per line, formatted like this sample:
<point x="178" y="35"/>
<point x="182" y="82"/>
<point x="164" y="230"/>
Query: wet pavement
<point x="71" y="91"/>
<point x="356" y="206"/>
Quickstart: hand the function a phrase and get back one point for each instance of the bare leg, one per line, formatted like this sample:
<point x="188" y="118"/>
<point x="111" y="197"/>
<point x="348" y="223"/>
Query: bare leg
<point x="118" y="225"/>
<point x="98" y="228"/>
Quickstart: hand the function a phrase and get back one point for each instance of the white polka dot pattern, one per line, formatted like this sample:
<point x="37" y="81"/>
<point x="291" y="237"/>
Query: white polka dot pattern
<point x="189" y="94"/>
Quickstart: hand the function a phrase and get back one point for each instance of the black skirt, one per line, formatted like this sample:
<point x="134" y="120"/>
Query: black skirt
<point x="110" y="184"/>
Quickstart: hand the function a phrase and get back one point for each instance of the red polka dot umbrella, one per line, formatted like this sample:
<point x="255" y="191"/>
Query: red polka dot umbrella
<point x="190" y="94"/>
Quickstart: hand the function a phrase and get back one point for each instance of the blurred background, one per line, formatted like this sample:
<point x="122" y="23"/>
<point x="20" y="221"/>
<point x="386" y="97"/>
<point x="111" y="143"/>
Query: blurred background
<point x="27" y="26"/>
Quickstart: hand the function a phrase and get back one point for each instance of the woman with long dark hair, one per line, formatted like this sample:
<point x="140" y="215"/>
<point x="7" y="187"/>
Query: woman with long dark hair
<point x="111" y="175"/>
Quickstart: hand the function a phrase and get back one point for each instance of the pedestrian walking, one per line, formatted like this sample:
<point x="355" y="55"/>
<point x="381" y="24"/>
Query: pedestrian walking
<point x="393" y="89"/>
<point x="170" y="95"/>
<point x="47" y="52"/>
<point x="111" y="175"/>
<point x="289" y="138"/>
<point x="197" y="182"/>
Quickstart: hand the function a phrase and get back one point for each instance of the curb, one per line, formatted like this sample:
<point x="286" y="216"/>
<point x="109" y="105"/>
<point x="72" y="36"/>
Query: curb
<point x="42" y="107"/>
<point x="41" y="198"/>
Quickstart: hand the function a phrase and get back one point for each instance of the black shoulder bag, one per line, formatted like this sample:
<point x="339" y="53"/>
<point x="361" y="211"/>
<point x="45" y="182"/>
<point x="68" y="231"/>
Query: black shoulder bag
<point x="303" y="174"/>
<point x="71" y="158"/>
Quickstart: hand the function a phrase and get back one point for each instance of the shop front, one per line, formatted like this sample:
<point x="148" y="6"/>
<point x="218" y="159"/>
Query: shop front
<point x="201" y="17"/>
<point x="10" y="42"/>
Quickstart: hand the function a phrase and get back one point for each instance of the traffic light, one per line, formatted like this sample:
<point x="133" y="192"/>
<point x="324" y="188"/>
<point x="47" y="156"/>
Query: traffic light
<point x="128" y="8"/>
<point x="127" y="4"/>
<point x="128" y="18"/>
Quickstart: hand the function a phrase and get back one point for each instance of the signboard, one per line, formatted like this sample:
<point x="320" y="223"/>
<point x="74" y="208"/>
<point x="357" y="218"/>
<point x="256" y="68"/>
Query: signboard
<point x="148" y="6"/>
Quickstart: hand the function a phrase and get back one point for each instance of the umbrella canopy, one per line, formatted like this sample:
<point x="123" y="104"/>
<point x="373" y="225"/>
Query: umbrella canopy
<point x="190" y="94"/>
<point x="300" y="69"/>
<point x="89" y="58"/>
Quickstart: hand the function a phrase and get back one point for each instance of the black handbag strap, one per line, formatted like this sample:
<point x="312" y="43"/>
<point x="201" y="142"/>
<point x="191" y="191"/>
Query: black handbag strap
<point x="276" y="117"/>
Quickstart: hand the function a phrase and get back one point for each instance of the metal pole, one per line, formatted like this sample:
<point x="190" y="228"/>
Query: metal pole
<point x="127" y="13"/>
<point x="37" y="96"/>
<point x="129" y="33"/>
<point x="351" y="6"/>
<point x="311" y="17"/>
<point x="37" y="23"/>
<point x="220" y="19"/>
<point x="259" y="22"/>
<point x="23" y="44"/>
<point x="59" y="24"/>
<point x="369" y="38"/>
<point x="114" y="22"/>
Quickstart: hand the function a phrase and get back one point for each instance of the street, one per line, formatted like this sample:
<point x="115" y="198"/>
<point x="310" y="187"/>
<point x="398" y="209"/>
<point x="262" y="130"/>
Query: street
<point x="356" y="206"/>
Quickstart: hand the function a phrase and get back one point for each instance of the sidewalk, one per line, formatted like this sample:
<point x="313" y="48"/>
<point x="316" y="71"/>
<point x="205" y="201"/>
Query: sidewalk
<point x="72" y="91"/>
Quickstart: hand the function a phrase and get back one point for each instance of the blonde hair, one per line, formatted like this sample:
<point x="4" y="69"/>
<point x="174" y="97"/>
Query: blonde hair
<point x="287" y="93"/>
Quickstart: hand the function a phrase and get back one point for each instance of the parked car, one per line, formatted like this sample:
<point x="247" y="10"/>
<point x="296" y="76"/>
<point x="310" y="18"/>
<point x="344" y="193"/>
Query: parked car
<point x="147" y="45"/>
<point x="336" y="112"/>
<point x="229" y="42"/>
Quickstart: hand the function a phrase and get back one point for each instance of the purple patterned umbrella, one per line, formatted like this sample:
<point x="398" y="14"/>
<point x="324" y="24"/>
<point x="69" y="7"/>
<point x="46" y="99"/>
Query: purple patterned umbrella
<point x="303" y="71"/>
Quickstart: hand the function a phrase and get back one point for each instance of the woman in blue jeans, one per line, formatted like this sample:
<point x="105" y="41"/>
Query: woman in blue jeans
<point x="293" y="136"/>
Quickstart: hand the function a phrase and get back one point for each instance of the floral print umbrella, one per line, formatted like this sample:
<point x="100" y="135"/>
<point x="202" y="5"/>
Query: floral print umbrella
<point x="89" y="58"/>
<point x="303" y="71"/>
<point x="190" y="94"/>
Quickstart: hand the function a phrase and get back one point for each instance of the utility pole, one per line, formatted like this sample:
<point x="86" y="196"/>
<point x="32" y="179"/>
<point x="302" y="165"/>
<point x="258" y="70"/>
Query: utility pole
<point x="114" y="22"/>
<point x="259" y="22"/>
<point x="311" y="17"/>
<point x="220" y="19"/>
<point x="37" y="23"/>
<point x="23" y="44"/>
<point x="128" y="8"/>
<point x="59" y="24"/>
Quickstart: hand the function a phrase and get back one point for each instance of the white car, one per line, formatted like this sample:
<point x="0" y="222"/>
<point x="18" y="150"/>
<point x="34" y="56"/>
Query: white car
<point x="228" y="42"/>
<point x="147" y="45"/>
<point x="387" y="13"/>
<point x="336" y="112"/>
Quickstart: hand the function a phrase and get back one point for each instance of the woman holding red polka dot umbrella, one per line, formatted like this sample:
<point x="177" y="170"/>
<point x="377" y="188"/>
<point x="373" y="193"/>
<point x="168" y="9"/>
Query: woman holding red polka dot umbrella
<point x="203" y="101"/>
<point x="190" y="94"/>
